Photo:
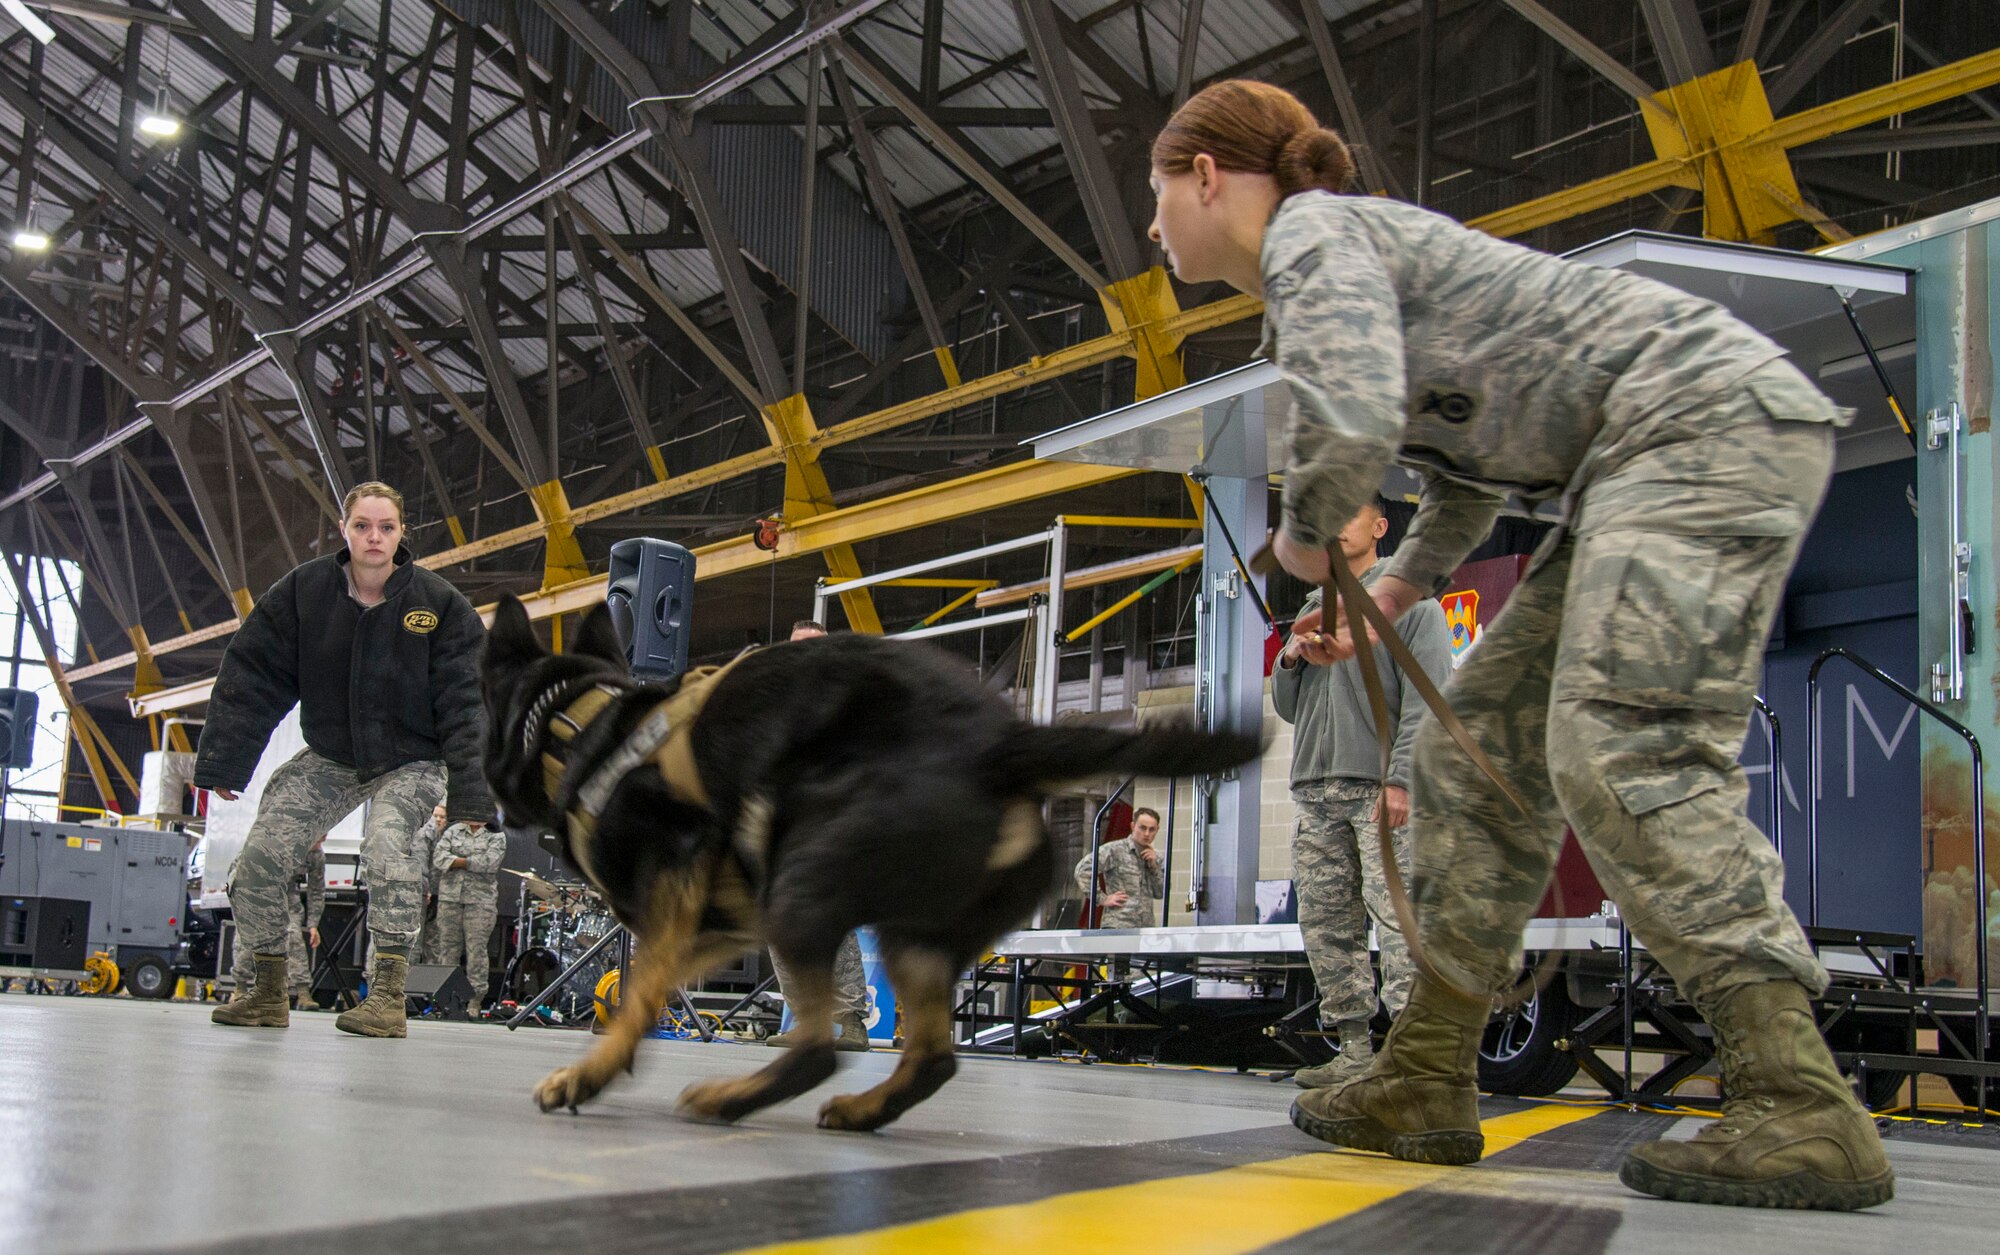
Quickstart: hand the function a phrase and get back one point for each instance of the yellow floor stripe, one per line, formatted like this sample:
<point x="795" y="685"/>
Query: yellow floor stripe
<point x="1228" y="1212"/>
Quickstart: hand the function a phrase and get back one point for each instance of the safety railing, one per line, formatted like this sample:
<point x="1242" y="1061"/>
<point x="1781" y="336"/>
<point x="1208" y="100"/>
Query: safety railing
<point x="1982" y="979"/>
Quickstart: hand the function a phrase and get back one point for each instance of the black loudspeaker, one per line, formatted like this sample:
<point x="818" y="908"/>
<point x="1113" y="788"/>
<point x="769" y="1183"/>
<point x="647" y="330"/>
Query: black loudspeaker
<point x="651" y="595"/>
<point x="51" y="933"/>
<point x="18" y="708"/>
<point x="437" y="987"/>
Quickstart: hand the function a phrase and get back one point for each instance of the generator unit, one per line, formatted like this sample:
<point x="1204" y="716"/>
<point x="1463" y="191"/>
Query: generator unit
<point x="133" y="882"/>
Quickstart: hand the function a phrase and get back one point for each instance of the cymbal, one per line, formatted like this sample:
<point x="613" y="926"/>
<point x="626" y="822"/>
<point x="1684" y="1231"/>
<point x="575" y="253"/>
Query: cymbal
<point x="538" y="888"/>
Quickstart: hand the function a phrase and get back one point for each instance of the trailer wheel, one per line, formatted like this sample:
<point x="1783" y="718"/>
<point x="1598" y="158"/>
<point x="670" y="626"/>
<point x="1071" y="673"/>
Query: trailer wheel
<point x="1519" y="1055"/>
<point x="149" y="977"/>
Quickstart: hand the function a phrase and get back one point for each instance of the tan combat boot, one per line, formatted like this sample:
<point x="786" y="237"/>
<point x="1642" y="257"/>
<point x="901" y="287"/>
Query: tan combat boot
<point x="1420" y="1100"/>
<point x="1357" y="1054"/>
<point x="264" y="1005"/>
<point x="1792" y="1133"/>
<point x="851" y="1031"/>
<point x="381" y="1013"/>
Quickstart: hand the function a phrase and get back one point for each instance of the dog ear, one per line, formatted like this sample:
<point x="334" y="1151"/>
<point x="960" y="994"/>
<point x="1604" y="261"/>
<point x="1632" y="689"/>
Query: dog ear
<point x="598" y="638"/>
<point x="511" y="641"/>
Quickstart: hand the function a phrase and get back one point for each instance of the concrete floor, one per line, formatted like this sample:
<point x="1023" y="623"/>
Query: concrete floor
<point x="138" y="1126"/>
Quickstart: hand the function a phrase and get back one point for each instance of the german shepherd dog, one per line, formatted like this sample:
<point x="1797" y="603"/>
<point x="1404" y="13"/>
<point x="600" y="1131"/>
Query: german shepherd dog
<point x="820" y="786"/>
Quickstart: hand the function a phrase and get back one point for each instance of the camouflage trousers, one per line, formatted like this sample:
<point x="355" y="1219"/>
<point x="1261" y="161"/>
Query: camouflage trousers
<point x="461" y="934"/>
<point x="1337" y="875"/>
<point x="298" y="966"/>
<point x="1614" y="693"/>
<point x="304" y="798"/>
<point x="850" y="982"/>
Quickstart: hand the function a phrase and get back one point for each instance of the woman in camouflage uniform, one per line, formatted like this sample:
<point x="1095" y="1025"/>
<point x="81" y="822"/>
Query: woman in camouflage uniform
<point x="381" y="656"/>
<point x="1614" y="691"/>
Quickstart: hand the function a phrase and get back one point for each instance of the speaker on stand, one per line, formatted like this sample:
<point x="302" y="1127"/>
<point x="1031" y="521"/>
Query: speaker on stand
<point x="650" y="592"/>
<point x="18" y="708"/>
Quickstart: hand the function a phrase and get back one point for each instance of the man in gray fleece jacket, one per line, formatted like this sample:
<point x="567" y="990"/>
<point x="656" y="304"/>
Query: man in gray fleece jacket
<point x="1336" y="764"/>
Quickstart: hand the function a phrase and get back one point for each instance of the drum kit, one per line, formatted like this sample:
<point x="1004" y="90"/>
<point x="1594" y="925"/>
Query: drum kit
<point x="559" y="923"/>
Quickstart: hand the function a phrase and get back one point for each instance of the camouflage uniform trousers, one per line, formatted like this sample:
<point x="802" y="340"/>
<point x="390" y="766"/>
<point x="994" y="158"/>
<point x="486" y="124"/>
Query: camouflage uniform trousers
<point x="1614" y="692"/>
<point x="461" y="933"/>
<point x="304" y="798"/>
<point x="1337" y="874"/>
<point x="298" y="968"/>
<point x="850" y="982"/>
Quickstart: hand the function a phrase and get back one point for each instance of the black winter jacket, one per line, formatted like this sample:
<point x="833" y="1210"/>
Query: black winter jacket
<point x="411" y="692"/>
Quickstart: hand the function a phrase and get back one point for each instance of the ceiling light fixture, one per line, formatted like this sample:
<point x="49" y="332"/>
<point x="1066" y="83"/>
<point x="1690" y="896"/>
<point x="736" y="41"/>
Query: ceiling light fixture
<point x="29" y="22"/>
<point x="160" y="122"/>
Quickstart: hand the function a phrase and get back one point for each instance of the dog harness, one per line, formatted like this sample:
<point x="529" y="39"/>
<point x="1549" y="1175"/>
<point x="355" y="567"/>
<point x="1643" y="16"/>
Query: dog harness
<point x="558" y="721"/>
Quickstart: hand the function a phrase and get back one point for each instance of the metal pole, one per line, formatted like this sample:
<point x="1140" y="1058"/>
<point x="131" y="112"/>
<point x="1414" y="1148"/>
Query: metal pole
<point x="1881" y="375"/>
<point x="1981" y="1016"/>
<point x="1053" y="630"/>
<point x="1777" y="783"/>
<point x="1812" y="795"/>
<point x="1776" y="808"/>
<point x="1167" y="858"/>
<point x="568" y="973"/>
<point x="1426" y="96"/>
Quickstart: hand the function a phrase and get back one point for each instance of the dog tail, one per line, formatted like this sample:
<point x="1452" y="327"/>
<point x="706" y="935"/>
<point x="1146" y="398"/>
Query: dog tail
<point x="1041" y="758"/>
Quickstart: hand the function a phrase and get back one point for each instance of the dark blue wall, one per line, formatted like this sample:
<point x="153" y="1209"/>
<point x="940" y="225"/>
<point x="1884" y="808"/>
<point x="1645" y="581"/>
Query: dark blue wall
<point x="1855" y="586"/>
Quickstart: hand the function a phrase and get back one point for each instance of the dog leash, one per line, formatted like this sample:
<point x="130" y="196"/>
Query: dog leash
<point x="1361" y="613"/>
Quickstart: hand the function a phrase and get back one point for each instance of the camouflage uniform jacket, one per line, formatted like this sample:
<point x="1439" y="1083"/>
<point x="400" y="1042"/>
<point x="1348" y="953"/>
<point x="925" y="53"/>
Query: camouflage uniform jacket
<point x="1122" y="869"/>
<point x="1487" y="368"/>
<point x="1333" y="730"/>
<point x="315" y="887"/>
<point x="482" y="849"/>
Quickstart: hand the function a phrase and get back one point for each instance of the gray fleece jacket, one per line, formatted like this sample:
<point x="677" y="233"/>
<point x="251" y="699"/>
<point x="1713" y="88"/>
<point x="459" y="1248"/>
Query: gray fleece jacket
<point x="1334" y="733"/>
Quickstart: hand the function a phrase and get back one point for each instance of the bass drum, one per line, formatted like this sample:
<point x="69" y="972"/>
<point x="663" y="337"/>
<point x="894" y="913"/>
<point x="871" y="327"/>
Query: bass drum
<point x="537" y="968"/>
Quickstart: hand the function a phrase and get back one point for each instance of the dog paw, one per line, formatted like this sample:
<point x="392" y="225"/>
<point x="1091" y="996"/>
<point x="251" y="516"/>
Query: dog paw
<point x="852" y="1113"/>
<point x="713" y="1102"/>
<point x="565" y="1087"/>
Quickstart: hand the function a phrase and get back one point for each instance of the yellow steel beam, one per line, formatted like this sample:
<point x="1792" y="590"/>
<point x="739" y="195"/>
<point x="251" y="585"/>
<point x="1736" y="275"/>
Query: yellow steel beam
<point x="1143" y="307"/>
<point x="563" y="561"/>
<point x="1090" y="577"/>
<point x="1122" y="520"/>
<point x="1716" y="130"/>
<point x="1573" y="202"/>
<point x="168" y="646"/>
<point x="950" y="606"/>
<point x="1215" y="314"/>
<point x="1035" y="370"/>
<point x="1786" y="133"/>
<point x="1931" y="87"/>
<point x="886" y="516"/>
<point x="1117" y="608"/>
<point x="791" y="428"/>
<point x="145" y="670"/>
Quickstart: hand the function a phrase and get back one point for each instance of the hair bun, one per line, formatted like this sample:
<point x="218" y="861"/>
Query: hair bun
<point x="1313" y="159"/>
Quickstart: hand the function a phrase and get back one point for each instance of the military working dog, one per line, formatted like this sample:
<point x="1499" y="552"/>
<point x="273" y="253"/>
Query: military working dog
<point x="802" y="791"/>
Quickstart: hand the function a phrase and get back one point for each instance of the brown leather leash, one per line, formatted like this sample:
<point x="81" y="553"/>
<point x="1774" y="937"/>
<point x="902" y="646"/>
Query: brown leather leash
<point x="1361" y="613"/>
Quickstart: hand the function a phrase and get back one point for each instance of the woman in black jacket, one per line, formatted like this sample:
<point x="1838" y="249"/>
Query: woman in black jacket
<point x="381" y="656"/>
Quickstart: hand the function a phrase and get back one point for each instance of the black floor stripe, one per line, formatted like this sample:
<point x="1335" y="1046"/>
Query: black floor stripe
<point x="1431" y="1220"/>
<point x="1594" y="1145"/>
<point x="707" y="1219"/>
<point x="1949" y="1133"/>
<point x="1504" y="1226"/>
